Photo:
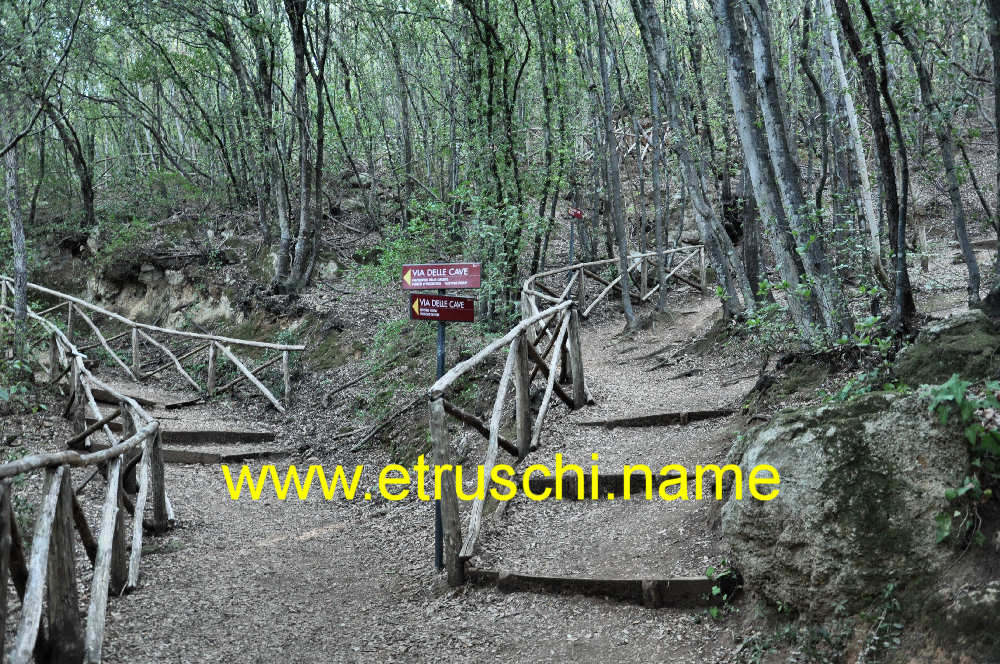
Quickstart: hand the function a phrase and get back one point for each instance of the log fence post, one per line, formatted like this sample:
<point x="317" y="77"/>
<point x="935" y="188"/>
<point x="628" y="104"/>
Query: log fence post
<point x="119" y="554"/>
<point x="66" y="634"/>
<point x="135" y="352"/>
<point x="702" y="276"/>
<point x="643" y="274"/>
<point x="286" y="377"/>
<point x="450" y="523"/>
<point x="53" y="357"/>
<point x="526" y="313"/>
<point x="160" y="517"/>
<point x="522" y="387"/>
<point x="576" y="360"/>
<point x="211" y="369"/>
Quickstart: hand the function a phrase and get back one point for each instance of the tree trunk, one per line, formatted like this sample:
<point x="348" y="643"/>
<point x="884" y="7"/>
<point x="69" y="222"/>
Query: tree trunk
<point x="656" y="138"/>
<point x="861" y="163"/>
<point x="943" y="132"/>
<point x="14" y="214"/>
<point x="894" y="211"/>
<point x="995" y="47"/>
<point x="722" y="255"/>
<point x="760" y="168"/>
<point x="614" y="173"/>
<point x="829" y="295"/>
<point x="296" y="9"/>
<point x="71" y="142"/>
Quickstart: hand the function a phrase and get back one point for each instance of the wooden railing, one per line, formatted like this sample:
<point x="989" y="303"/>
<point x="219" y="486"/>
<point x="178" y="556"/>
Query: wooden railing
<point x="51" y="626"/>
<point x="140" y="334"/>
<point x="553" y="331"/>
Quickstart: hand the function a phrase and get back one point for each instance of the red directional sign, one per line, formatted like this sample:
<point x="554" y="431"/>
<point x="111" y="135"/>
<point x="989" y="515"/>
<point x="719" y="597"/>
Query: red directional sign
<point x="442" y="275"/>
<point x="442" y="308"/>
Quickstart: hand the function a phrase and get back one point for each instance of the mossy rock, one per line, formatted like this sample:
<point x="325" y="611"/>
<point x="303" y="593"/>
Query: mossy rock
<point x="861" y="484"/>
<point x="965" y="344"/>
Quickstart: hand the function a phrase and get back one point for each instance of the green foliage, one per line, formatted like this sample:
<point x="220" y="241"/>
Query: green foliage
<point x="17" y="389"/>
<point x="977" y="414"/>
<point x="826" y="643"/>
<point x="425" y="238"/>
<point x="876" y="380"/>
<point x="720" y="576"/>
<point x="120" y="239"/>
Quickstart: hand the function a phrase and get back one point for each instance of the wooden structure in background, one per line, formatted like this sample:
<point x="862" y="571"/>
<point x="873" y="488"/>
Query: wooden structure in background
<point x="141" y="334"/>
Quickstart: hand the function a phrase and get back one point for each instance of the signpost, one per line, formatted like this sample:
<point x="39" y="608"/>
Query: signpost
<point x="441" y="308"/>
<point x="442" y="275"/>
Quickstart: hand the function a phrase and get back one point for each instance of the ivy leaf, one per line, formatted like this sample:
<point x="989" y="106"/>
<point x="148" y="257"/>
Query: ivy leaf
<point x="944" y="527"/>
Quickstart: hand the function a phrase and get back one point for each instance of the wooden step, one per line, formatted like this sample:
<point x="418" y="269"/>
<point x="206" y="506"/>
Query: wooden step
<point x="687" y="592"/>
<point x="145" y="395"/>
<point x="659" y="419"/>
<point x="216" y="454"/>
<point x="212" y="454"/>
<point x="184" y="432"/>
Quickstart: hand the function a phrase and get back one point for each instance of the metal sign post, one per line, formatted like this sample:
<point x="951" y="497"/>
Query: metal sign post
<point x="441" y="308"/>
<point x="438" y="529"/>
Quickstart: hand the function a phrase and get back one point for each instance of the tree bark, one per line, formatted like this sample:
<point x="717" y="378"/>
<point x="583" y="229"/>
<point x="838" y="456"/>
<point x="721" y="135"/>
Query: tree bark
<point x="722" y="255"/>
<point x="14" y="214"/>
<point x="994" y="6"/>
<point x="614" y="166"/>
<point x="857" y="147"/>
<point x="759" y="166"/>
<point x="943" y="132"/>
<point x="829" y="296"/>
<point x="894" y="210"/>
<point x="659" y="215"/>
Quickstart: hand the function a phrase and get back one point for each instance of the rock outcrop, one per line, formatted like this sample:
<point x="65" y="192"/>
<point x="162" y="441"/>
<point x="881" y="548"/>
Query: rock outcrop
<point x="967" y="344"/>
<point x="861" y="484"/>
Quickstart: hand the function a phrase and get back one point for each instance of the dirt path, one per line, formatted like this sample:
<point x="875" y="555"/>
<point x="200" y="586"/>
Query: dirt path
<point x="352" y="581"/>
<point x="634" y="538"/>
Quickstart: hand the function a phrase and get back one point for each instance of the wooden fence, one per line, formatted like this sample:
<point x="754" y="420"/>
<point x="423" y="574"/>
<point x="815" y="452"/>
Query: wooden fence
<point x="51" y="627"/>
<point x="546" y="343"/>
<point x="137" y="335"/>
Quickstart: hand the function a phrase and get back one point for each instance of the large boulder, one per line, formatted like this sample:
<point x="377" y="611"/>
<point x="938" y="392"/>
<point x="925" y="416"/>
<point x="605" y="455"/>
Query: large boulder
<point x="861" y="484"/>
<point x="967" y="344"/>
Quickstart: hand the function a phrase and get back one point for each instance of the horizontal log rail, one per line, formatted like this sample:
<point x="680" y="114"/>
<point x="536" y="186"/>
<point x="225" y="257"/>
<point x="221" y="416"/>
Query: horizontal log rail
<point x="153" y="328"/>
<point x="555" y="330"/>
<point x="52" y="620"/>
<point x="142" y="334"/>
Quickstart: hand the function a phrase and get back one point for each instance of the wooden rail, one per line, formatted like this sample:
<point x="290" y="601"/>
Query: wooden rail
<point x="554" y="330"/>
<point x="142" y="334"/>
<point x="51" y="627"/>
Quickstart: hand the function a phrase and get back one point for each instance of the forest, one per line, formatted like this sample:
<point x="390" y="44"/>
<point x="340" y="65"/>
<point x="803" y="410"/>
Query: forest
<point x="234" y="187"/>
<point x="809" y="124"/>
